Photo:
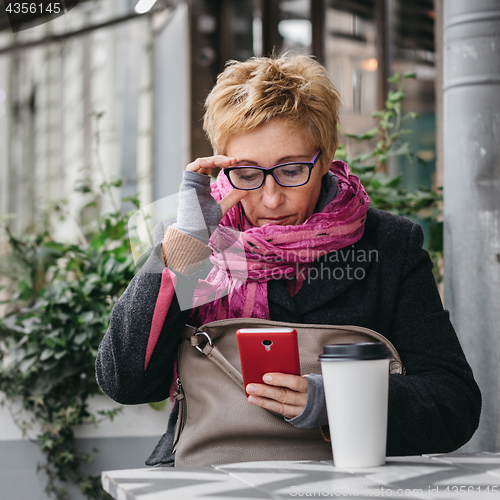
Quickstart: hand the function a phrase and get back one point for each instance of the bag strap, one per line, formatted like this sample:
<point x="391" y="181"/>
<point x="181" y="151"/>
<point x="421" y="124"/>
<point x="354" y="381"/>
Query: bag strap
<point x="197" y="338"/>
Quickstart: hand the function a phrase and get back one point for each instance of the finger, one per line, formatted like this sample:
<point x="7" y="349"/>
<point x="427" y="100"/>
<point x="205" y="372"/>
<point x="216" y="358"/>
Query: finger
<point x="205" y="165"/>
<point x="288" y="411"/>
<point x="294" y="382"/>
<point x="278" y="394"/>
<point x="231" y="199"/>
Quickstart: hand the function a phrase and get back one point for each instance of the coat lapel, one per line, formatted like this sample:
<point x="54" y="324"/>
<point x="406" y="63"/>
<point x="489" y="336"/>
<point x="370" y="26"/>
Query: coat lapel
<point x="278" y="294"/>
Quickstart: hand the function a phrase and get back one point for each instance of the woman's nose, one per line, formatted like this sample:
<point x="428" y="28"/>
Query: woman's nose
<point x="272" y="193"/>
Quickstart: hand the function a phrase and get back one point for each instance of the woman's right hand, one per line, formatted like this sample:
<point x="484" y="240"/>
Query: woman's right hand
<point x="198" y="213"/>
<point x="205" y="166"/>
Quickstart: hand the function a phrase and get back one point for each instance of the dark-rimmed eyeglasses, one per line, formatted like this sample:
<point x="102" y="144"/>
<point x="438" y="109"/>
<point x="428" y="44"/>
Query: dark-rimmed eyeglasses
<point x="291" y="174"/>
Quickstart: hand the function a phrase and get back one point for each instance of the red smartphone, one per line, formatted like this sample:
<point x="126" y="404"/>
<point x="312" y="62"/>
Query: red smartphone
<point x="264" y="350"/>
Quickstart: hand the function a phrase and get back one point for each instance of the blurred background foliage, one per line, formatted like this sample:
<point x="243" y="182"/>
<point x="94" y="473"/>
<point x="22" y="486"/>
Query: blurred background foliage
<point x="59" y="308"/>
<point x="391" y="138"/>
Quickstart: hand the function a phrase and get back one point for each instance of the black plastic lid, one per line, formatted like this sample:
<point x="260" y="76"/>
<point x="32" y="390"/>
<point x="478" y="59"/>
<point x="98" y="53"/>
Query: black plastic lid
<point x="346" y="352"/>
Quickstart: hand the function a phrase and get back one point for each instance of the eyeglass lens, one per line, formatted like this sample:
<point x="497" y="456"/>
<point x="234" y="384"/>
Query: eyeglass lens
<point x="293" y="174"/>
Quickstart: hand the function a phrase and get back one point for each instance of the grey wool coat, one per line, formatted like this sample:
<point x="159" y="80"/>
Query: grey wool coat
<point x="383" y="282"/>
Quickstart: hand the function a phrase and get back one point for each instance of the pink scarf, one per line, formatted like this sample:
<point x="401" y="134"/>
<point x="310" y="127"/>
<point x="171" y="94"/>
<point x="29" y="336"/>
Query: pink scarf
<point x="245" y="258"/>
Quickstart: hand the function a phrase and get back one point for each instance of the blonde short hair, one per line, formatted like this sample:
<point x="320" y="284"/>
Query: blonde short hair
<point x="294" y="87"/>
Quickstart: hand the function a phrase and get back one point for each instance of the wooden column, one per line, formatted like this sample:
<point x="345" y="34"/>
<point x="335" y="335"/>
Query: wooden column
<point x="270" y="20"/>
<point x="317" y="15"/>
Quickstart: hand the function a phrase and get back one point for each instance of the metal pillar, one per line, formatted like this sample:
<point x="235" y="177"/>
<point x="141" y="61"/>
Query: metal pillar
<point x="471" y="129"/>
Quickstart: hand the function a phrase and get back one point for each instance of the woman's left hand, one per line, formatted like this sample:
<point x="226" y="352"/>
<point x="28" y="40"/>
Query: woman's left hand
<point x="281" y="393"/>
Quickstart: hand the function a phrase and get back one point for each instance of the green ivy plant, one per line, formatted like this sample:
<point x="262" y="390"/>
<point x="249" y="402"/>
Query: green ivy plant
<point x="385" y="190"/>
<point x="59" y="308"/>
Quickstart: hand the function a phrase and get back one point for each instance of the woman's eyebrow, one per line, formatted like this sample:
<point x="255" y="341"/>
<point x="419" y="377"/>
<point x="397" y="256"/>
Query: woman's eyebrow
<point x="246" y="162"/>
<point x="285" y="159"/>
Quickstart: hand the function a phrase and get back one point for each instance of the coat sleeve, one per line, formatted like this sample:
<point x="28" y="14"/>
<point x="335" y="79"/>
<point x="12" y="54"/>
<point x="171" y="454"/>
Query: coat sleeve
<point x="135" y="359"/>
<point x="435" y="407"/>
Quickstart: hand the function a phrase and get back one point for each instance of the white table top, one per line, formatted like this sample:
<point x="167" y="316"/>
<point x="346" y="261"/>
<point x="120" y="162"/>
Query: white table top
<point x="448" y="476"/>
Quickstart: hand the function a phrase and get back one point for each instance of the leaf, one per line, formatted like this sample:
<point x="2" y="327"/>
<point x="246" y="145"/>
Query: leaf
<point x="409" y="74"/>
<point x="67" y="457"/>
<point x="364" y="137"/>
<point x="404" y="149"/>
<point x="110" y="414"/>
<point x="109" y="265"/>
<point x="46" y="354"/>
<point x="115" y="181"/>
<point x="363" y="169"/>
<point x="363" y="158"/>
<point x="159" y="406"/>
<point x="133" y="199"/>
<point x="46" y="445"/>
<point x="90" y="204"/>
<point x="31" y="324"/>
<point x="26" y="364"/>
<point x="386" y="124"/>
<point x="394" y="182"/>
<point x="91" y="281"/>
<point x="400" y="132"/>
<point x="80" y="338"/>
<point x="395" y="96"/>
<point x="394" y="78"/>
<point x="86" y="316"/>
<point x="83" y="188"/>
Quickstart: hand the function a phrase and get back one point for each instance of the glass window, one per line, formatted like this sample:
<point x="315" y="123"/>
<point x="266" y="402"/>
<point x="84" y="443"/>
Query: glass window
<point x="294" y="26"/>
<point x="350" y="58"/>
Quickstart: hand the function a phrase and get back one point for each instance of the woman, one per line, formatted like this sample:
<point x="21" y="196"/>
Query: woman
<point x="316" y="254"/>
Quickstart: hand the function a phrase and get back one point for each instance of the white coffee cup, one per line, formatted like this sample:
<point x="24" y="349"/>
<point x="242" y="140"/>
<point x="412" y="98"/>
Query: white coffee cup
<point x="356" y="381"/>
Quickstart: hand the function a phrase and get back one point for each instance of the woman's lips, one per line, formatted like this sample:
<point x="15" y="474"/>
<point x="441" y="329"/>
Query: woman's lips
<point x="275" y="220"/>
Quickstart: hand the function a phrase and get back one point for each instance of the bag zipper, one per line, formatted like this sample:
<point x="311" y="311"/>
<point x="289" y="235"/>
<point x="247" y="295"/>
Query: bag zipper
<point x="179" y="395"/>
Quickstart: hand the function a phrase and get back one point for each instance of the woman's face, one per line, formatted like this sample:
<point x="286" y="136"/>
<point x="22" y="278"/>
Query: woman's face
<point x="271" y="144"/>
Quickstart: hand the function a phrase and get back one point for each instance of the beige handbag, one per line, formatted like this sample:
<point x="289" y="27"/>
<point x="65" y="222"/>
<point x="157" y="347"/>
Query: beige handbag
<point x="217" y="424"/>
